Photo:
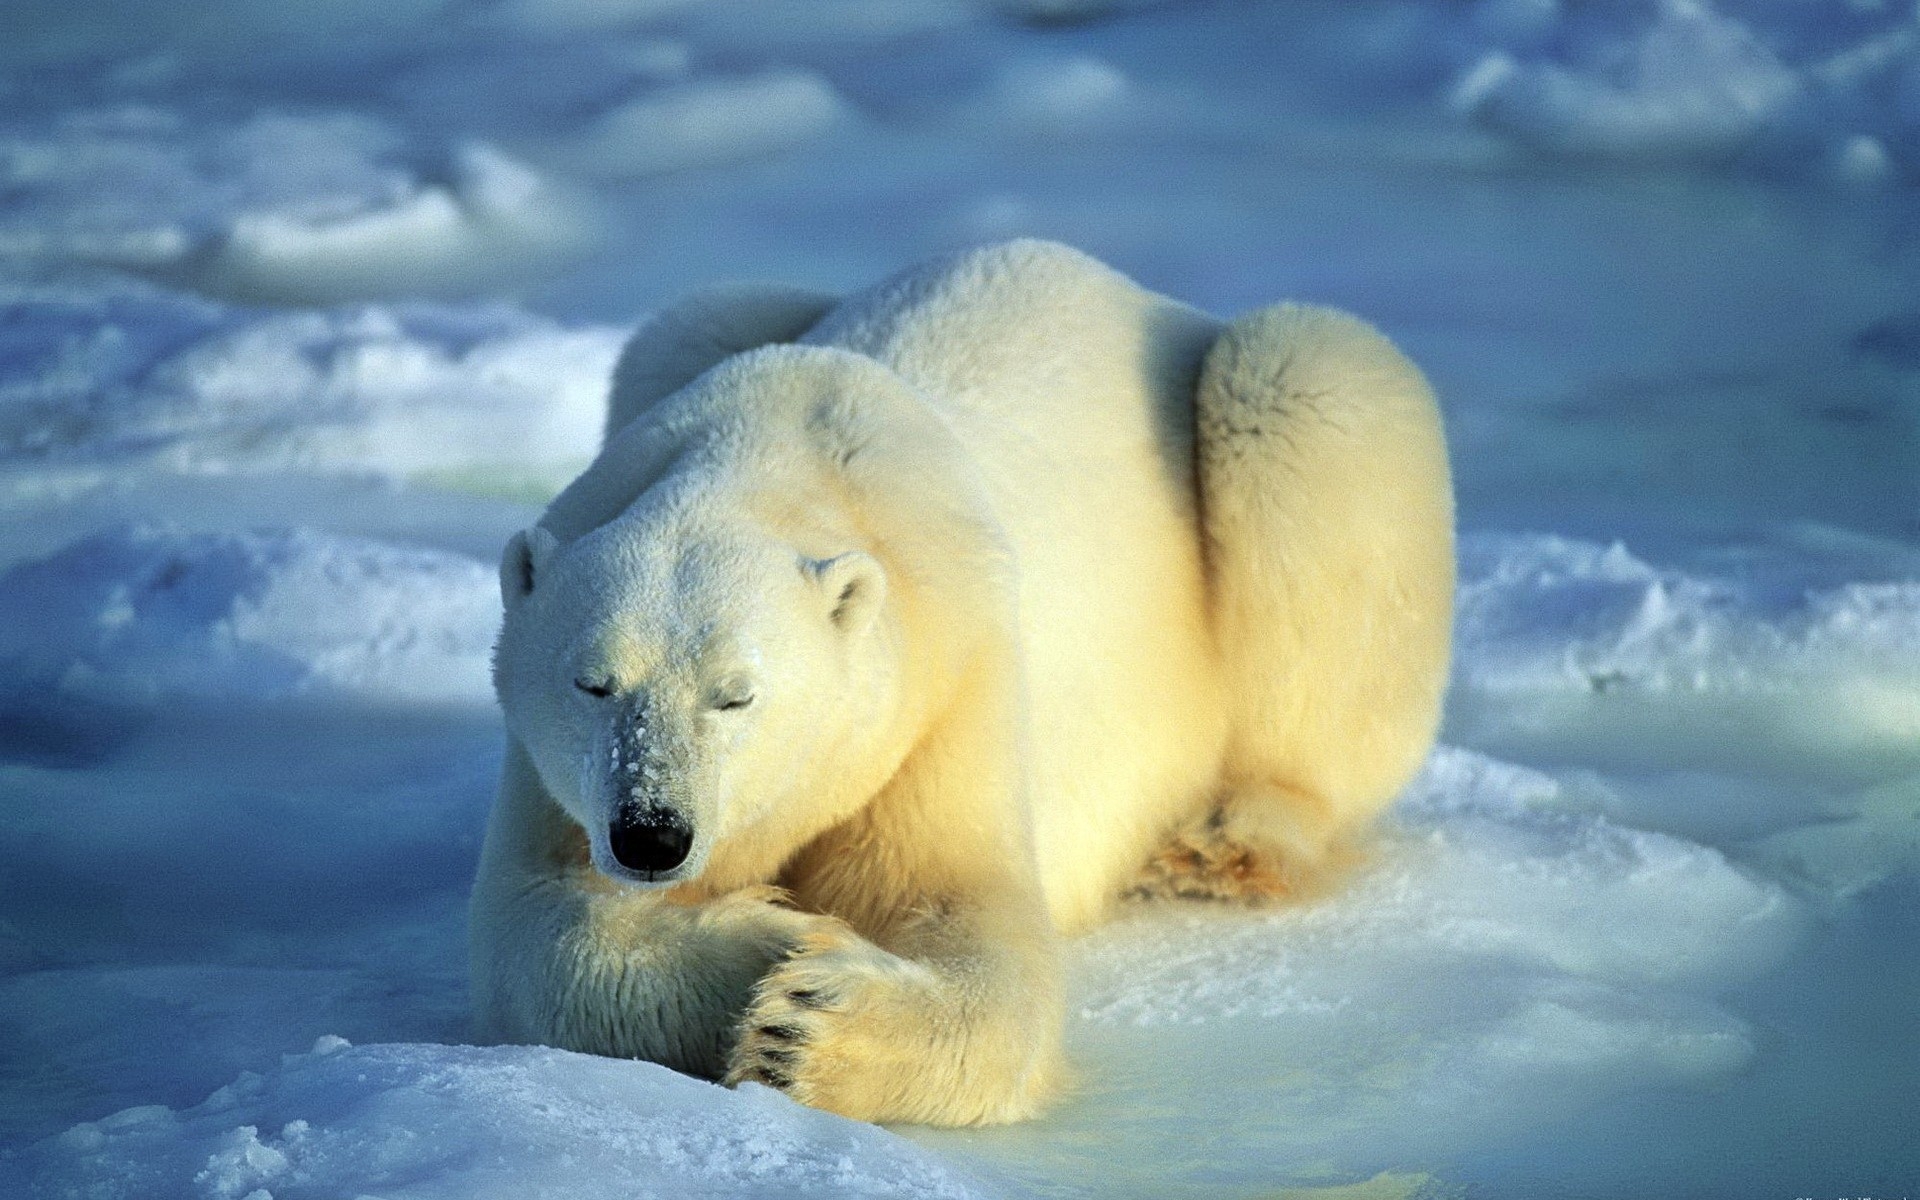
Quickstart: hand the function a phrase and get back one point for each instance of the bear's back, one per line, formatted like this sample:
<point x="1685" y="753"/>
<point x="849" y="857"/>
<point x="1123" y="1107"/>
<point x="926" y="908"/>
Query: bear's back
<point x="1071" y="387"/>
<point x="1036" y="336"/>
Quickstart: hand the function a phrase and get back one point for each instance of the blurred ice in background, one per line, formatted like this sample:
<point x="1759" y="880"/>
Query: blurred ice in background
<point x="304" y="307"/>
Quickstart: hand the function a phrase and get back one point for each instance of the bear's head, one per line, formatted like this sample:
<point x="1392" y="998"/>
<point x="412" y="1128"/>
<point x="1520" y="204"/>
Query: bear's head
<point x="676" y="674"/>
<point x="720" y="640"/>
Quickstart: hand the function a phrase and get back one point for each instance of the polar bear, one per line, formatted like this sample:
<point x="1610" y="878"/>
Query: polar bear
<point x="892" y="637"/>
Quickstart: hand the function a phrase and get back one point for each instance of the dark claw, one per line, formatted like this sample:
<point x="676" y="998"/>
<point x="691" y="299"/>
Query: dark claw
<point x="781" y="1033"/>
<point x="783" y="1057"/>
<point x="776" y="1079"/>
<point x="807" y="998"/>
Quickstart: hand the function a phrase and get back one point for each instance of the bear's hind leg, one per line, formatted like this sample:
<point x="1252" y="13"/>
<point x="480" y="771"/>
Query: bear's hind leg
<point x="1327" y="513"/>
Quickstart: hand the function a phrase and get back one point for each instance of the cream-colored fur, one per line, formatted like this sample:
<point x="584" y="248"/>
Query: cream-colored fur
<point x="1044" y="589"/>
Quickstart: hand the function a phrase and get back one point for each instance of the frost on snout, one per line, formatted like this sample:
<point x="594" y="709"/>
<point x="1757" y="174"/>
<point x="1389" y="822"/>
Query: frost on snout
<point x="649" y="831"/>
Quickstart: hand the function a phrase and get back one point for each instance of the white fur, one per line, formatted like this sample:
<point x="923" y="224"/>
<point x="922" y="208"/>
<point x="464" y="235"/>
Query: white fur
<point x="1027" y="571"/>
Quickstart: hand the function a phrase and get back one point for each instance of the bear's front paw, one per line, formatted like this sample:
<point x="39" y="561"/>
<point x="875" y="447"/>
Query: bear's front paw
<point x="831" y="1026"/>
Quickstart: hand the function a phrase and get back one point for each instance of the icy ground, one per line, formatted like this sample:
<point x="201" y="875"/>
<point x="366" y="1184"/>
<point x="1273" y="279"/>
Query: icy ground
<point x="305" y="307"/>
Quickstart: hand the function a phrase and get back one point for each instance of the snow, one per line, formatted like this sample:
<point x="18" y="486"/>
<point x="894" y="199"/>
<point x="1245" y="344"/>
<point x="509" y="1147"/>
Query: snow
<point x="456" y="1121"/>
<point x="1694" y="85"/>
<point x="1694" y="80"/>
<point x="1508" y="950"/>
<point x="279" y="206"/>
<point x="128" y="372"/>
<point x="304" y="309"/>
<point x="141" y="615"/>
<point x="1556" y="634"/>
<point x="1554" y="615"/>
<point x="492" y="213"/>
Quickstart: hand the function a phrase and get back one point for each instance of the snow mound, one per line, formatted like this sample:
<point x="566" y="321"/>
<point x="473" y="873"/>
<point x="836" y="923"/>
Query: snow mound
<point x="1495" y="870"/>
<point x="706" y="122"/>
<point x="1692" y="81"/>
<point x="1546" y="617"/>
<point x="1507" y="951"/>
<point x="457" y="1121"/>
<point x="127" y="373"/>
<point x="1553" y="612"/>
<point x="1695" y="85"/>
<point x="492" y="219"/>
<point x="315" y="207"/>
<point x="135" y="614"/>
<point x="1568" y="888"/>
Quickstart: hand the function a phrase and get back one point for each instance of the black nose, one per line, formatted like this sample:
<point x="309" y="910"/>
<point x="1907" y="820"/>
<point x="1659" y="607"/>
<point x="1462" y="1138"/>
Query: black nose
<point x="649" y="842"/>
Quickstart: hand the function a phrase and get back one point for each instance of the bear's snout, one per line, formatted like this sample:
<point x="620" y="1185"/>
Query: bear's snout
<point x="650" y="842"/>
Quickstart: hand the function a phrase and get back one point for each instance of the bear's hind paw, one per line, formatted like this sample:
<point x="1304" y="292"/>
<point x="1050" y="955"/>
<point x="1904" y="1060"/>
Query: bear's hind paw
<point x="1199" y="868"/>
<point x="1252" y="849"/>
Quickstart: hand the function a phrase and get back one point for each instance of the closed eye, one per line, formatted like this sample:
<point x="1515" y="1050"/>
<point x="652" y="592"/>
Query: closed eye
<point x="731" y="703"/>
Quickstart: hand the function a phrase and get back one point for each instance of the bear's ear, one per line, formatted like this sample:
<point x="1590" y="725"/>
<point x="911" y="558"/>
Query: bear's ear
<point x="526" y="556"/>
<point x="853" y="586"/>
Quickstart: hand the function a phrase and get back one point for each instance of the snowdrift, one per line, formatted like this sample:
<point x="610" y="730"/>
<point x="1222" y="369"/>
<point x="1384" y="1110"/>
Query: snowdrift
<point x="136" y="616"/>
<point x="126" y="377"/>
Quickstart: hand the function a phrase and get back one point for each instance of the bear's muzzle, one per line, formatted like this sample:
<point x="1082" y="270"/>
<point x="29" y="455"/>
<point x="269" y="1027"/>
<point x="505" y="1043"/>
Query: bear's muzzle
<point x="648" y="842"/>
